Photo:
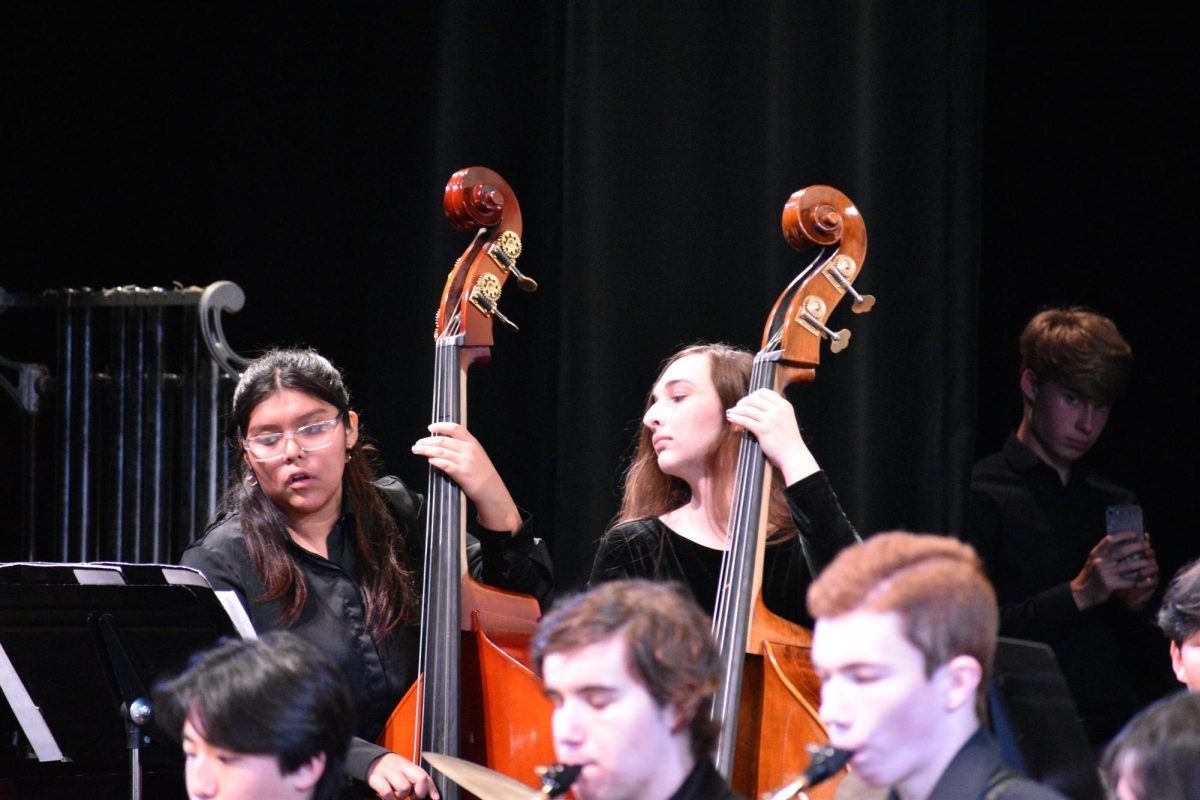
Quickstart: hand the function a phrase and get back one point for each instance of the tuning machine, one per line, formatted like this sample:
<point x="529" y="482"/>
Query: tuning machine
<point x="485" y="296"/>
<point x="840" y="272"/>
<point x="812" y="311"/>
<point x="505" y="251"/>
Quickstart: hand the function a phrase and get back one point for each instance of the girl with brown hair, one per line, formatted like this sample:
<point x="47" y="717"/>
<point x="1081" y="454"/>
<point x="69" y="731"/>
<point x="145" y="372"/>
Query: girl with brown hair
<point x="678" y="489"/>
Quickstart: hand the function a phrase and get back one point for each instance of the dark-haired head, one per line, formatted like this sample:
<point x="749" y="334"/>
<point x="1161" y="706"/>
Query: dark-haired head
<point x="1179" y="619"/>
<point x="344" y="470"/>
<point x="302" y="369"/>
<point x="278" y="371"/>
<point x="1156" y="756"/>
<point x="277" y="696"/>
<point x="1179" y="616"/>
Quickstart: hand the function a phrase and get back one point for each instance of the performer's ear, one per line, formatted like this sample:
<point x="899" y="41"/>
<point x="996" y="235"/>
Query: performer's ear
<point x="680" y="717"/>
<point x="307" y="774"/>
<point x="963" y="674"/>
<point x="1029" y="385"/>
<point x="1177" y="663"/>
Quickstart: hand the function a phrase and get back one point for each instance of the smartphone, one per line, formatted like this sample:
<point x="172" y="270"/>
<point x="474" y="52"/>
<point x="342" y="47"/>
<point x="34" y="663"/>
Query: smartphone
<point x="1124" y="518"/>
<point x="1127" y="517"/>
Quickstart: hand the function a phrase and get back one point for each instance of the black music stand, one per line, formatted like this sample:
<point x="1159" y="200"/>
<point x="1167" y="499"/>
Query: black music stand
<point x="1035" y="720"/>
<point x="81" y="645"/>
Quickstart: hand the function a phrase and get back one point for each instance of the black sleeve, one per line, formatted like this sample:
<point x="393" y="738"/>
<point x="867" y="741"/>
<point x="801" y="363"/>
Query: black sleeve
<point x="820" y="521"/>
<point x="408" y="509"/>
<point x="518" y="562"/>
<point x="221" y="568"/>
<point x="360" y="756"/>
<point x="1041" y="615"/>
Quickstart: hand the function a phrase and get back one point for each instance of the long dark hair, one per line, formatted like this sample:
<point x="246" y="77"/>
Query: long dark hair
<point x="388" y="589"/>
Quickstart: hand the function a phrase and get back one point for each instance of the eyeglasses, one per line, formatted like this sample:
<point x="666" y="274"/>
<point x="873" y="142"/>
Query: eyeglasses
<point x="272" y="446"/>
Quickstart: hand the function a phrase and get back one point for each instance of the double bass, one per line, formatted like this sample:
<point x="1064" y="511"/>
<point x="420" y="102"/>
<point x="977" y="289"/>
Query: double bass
<point x="769" y="696"/>
<point x="441" y="712"/>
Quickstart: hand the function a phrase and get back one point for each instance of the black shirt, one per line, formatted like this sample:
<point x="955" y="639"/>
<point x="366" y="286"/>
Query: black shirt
<point x="649" y="549"/>
<point x="704" y="783"/>
<point x="334" y="617"/>
<point x="1034" y="535"/>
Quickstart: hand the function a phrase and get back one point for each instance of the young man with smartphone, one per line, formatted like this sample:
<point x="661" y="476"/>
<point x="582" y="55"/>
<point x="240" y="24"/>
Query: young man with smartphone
<point x="1040" y="516"/>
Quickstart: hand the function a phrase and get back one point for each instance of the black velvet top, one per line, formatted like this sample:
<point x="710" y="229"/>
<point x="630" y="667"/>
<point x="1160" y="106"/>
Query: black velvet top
<point x="649" y="549"/>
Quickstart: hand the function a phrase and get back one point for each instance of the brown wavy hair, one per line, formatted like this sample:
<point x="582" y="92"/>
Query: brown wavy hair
<point x="668" y="647"/>
<point x="388" y="587"/>
<point x="649" y="492"/>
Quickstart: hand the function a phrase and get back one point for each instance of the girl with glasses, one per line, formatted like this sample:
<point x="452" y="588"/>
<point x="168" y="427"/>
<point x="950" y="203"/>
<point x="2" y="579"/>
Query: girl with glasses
<point x="311" y="541"/>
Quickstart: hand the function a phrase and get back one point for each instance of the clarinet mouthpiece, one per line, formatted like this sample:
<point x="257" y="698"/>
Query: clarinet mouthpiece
<point x="557" y="778"/>
<point x="825" y="762"/>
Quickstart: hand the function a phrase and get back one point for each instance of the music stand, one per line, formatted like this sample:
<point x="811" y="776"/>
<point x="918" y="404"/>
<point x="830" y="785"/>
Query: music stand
<point x="81" y="645"/>
<point x="1035" y="720"/>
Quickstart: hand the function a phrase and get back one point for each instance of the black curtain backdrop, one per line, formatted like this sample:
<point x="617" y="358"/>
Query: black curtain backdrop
<point x="1004" y="157"/>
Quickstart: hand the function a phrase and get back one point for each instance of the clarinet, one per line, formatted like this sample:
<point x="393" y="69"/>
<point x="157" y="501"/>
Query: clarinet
<point x="825" y="762"/>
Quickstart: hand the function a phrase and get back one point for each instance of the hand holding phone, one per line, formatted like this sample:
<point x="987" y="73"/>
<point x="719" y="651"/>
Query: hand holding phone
<point x="1126" y="517"/>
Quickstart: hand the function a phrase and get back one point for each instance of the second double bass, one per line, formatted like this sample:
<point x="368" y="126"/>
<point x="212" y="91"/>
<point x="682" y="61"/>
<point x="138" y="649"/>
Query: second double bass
<point x="768" y="700"/>
<point x="680" y="485"/>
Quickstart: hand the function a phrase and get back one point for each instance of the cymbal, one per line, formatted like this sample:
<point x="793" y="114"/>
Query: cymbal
<point x="484" y="783"/>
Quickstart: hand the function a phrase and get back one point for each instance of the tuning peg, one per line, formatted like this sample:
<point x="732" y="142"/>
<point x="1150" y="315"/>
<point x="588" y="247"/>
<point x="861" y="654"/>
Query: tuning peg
<point x="524" y="282"/>
<point x="809" y="315"/>
<point x="838" y="340"/>
<point x="500" y="316"/>
<point x="488" y="306"/>
<point x="505" y="251"/>
<point x="862" y="303"/>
